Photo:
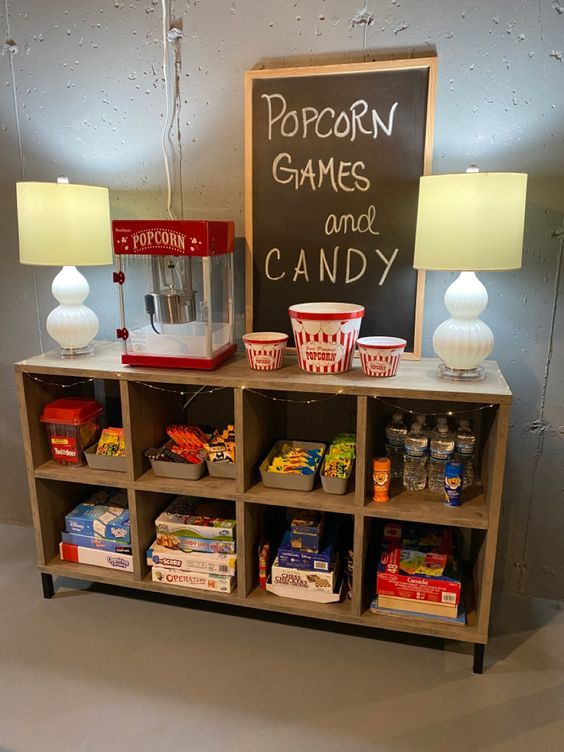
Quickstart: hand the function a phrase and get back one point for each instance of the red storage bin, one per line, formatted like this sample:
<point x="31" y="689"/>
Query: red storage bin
<point x="72" y="427"/>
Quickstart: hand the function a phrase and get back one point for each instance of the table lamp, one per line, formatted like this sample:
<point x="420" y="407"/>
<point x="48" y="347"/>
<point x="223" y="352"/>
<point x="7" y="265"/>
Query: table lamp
<point x="60" y="224"/>
<point x="468" y="222"/>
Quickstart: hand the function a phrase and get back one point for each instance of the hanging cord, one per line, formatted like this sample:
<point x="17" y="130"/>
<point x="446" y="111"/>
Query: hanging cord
<point x="167" y="111"/>
<point x="191" y="399"/>
<point x="11" y="48"/>
<point x="540" y="424"/>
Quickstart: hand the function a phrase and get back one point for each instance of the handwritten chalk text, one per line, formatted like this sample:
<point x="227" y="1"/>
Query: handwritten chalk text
<point x="347" y="223"/>
<point x="315" y="174"/>
<point x="353" y="265"/>
<point x="308" y="121"/>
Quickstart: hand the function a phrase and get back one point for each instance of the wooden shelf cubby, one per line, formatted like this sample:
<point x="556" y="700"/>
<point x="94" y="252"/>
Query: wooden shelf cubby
<point x="266" y="407"/>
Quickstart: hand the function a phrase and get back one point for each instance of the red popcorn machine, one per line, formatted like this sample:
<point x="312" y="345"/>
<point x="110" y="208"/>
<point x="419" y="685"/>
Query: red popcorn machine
<point x="175" y="281"/>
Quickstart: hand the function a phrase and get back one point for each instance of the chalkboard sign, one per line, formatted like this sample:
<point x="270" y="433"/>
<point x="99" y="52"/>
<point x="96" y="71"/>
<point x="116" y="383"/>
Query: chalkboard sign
<point x="333" y="160"/>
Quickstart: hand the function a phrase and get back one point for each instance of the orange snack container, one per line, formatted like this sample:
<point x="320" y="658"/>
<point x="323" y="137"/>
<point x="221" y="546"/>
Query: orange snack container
<point x="381" y="467"/>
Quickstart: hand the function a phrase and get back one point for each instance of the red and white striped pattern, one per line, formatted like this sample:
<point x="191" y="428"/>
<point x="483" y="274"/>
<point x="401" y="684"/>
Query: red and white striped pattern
<point x="267" y="356"/>
<point x="376" y="362"/>
<point x="322" y="352"/>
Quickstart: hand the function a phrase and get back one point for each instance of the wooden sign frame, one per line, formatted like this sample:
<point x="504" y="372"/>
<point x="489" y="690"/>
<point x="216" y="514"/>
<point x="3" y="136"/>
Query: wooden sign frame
<point x="428" y="63"/>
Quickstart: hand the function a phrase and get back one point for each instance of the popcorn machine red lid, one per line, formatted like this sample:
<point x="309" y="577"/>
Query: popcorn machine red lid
<point x="172" y="237"/>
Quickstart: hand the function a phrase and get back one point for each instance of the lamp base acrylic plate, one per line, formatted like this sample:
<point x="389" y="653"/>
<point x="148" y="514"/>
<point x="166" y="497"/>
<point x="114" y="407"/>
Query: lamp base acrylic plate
<point x="74" y="352"/>
<point x="461" y="374"/>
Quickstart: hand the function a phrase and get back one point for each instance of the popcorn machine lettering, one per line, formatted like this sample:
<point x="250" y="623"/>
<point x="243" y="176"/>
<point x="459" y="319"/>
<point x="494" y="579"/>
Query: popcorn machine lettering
<point x="175" y="282"/>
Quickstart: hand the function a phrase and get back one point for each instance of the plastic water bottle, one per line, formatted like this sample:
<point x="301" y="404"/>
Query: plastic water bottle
<point x="415" y="459"/>
<point x="441" y="421"/>
<point x="396" y="431"/>
<point x="465" y="444"/>
<point x="425" y="428"/>
<point x="442" y="448"/>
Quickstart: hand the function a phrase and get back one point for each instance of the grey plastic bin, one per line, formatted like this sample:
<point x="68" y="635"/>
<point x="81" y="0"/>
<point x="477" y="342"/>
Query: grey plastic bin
<point x="337" y="486"/>
<point x="103" y="461"/>
<point x="180" y="470"/>
<point x="221" y="469"/>
<point x="290" y="481"/>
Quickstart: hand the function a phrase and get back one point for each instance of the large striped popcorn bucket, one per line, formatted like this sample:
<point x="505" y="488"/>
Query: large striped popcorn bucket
<point x="265" y="350"/>
<point x="325" y="335"/>
<point x="380" y="356"/>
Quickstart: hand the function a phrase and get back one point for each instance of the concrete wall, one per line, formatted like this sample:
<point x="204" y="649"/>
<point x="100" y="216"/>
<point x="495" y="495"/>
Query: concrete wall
<point x="88" y="102"/>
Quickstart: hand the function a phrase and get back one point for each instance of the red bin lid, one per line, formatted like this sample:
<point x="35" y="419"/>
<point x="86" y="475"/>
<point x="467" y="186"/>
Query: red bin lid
<point x="72" y="411"/>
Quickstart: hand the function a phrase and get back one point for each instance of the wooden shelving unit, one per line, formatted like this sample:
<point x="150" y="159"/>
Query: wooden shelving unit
<point x="149" y="400"/>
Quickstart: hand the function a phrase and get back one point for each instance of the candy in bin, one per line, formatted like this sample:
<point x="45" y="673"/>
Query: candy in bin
<point x="292" y="459"/>
<point x="189" y="442"/>
<point x="111" y="443"/>
<point x="340" y="456"/>
<point x="221" y="446"/>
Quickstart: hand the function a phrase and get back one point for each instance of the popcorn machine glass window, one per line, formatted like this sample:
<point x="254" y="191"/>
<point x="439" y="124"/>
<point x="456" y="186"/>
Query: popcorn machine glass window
<point x="176" y="292"/>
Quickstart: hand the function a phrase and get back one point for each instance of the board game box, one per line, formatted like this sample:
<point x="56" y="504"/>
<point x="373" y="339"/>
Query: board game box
<point x="316" y="596"/>
<point x="302" y="579"/>
<point x="460" y="618"/>
<point x="217" y="563"/>
<point x="404" y="573"/>
<point x="203" y="545"/>
<point x="102" y="544"/>
<point x="296" y="559"/>
<point x="100" y="520"/>
<point x="82" y="555"/>
<point x="198" y="580"/>
<point x="189" y="518"/>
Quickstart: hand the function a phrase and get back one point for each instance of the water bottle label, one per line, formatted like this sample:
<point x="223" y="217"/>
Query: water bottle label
<point x="440" y="455"/>
<point x="465" y="450"/>
<point x="394" y="447"/>
<point x="415" y="452"/>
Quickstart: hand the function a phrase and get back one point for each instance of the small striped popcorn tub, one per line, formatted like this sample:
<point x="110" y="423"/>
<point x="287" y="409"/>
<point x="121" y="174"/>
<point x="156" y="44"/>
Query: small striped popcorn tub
<point x="380" y="356"/>
<point x="265" y="350"/>
<point x="325" y="335"/>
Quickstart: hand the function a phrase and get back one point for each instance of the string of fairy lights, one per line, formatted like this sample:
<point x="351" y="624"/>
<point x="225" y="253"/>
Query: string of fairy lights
<point x="192" y="394"/>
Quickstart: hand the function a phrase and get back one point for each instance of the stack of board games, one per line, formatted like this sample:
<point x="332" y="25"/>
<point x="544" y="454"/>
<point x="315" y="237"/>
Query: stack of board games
<point x="306" y="565"/>
<point x="419" y="572"/>
<point x="195" y="545"/>
<point x="97" y="532"/>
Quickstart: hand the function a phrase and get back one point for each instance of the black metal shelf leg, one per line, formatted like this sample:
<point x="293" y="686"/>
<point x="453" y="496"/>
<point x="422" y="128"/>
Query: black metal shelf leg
<point x="47" y="583"/>
<point x="478" y="667"/>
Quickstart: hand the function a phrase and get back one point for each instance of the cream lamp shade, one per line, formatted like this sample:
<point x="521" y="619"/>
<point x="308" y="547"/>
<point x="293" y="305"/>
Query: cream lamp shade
<point x="470" y="221"/>
<point x="62" y="224"/>
<point x="66" y="225"/>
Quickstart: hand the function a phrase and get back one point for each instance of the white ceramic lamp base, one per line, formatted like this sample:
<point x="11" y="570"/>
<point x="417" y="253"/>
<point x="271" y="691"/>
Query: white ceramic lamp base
<point x="463" y="341"/>
<point x="72" y="324"/>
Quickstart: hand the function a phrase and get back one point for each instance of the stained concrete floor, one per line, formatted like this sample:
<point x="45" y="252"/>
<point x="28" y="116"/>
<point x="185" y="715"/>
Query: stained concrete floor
<point x="94" y="671"/>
